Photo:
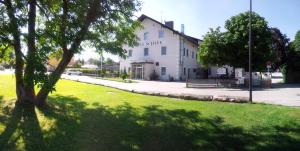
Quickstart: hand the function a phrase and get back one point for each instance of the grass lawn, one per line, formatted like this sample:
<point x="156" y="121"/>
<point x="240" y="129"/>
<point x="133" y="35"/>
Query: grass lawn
<point x="88" y="117"/>
<point x="119" y="80"/>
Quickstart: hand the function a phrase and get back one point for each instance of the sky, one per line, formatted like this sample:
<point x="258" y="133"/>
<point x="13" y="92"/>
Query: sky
<point x="200" y="15"/>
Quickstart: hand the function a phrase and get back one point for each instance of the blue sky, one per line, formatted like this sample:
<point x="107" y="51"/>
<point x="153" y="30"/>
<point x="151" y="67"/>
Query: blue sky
<point x="200" y="15"/>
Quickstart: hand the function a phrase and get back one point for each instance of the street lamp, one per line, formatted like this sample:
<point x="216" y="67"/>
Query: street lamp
<point x="250" y="53"/>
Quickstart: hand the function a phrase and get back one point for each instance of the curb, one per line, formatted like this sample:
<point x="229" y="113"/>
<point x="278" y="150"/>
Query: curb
<point x="183" y="96"/>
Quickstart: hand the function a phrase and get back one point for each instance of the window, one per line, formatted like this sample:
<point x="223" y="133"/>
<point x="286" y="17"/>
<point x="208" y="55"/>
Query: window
<point x="129" y="70"/>
<point x="193" y="54"/>
<point x="183" y="51"/>
<point x="184" y="72"/>
<point x="163" y="71"/>
<point x="146" y="36"/>
<point x="161" y="34"/>
<point x="157" y="63"/>
<point x="130" y="53"/>
<point x="187" y="52"/>
<point x="194" y="70"/>
<point x="146" y="51"/>
<point x="163" y="50"/>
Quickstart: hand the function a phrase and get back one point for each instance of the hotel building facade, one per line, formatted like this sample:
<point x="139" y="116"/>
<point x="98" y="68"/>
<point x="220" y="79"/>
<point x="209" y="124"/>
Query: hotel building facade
<point x="163" y="51"/>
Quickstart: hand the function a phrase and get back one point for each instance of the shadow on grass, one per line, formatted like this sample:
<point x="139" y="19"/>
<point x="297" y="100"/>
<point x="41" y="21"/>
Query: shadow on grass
<point x="21" y="123"/>
<point x="78" y="126"/>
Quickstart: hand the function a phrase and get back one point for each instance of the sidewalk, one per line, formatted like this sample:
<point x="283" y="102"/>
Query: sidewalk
<point x="287" y="95"/>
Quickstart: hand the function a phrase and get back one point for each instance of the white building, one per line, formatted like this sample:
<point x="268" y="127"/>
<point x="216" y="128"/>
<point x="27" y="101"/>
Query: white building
<point x="161" y="50"/>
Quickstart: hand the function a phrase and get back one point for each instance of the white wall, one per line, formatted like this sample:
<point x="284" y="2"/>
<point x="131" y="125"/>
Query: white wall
<point x="189" y="62"/>
<point x="154" y="43"/>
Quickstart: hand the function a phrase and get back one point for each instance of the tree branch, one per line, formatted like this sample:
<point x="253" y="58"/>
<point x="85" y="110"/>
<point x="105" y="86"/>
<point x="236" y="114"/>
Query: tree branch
<point x="42" y="11"/>
<point x="63" y="26"/>
<point x="55" y="75"/>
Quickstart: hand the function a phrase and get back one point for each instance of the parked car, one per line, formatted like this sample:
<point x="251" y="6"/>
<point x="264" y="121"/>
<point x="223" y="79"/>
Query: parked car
<point x="73" y="72"/>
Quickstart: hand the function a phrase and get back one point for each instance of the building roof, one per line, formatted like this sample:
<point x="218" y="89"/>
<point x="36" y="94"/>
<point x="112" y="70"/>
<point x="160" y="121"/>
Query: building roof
<point x="189" y="38"/>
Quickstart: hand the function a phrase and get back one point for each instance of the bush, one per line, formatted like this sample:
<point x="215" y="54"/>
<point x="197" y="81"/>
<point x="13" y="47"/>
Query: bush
<point x="171" y="78"/>
<point x="290" y="75"/>
<point x="124" y="76"/>
<point x="154" y="76"/>
<point x="291" y="69"/>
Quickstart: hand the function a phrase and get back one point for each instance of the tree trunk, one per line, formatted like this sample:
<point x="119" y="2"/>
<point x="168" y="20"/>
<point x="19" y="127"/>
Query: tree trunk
<point x="22" y="96"/>
<point x="31" y="53"/>
<point x="68" y="54"/>
<point x="26" y="96"/>
<point x="42" y="95"/>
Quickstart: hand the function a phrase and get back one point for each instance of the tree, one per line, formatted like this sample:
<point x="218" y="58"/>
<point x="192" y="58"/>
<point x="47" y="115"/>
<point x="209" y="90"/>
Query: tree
<point x="291" y="68"/>
<point x="94" y="61"/>
<point x="231" y="47"/>
<point x="210" y="47"/>
<point x="296" y="42"/>
<point x="279" y="48"/>
<point x="61" y="25"/>
<point x="109" y="61"/>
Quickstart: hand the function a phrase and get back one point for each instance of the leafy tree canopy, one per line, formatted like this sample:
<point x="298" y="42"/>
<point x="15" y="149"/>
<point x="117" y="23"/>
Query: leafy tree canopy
<point x="231" y="46"/>
<point x="297" y="41"/>
<point x="280" y="47"/>
<point x="109" y="61"/>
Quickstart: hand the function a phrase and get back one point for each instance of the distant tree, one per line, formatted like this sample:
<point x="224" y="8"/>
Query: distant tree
<point x="109" y="61"/>
<point x="279" y="48"/>
<point x="231" y="47"/>
<point x="296" y="42"/>
<point x="60" y="25"/>
<point x="291" y="68"/>
<point x="94" y="61"/>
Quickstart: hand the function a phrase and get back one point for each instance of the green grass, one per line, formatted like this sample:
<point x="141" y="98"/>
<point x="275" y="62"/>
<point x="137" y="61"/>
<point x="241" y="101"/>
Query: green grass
<point x="119" y="80"/>
<point x="89" y="117"/>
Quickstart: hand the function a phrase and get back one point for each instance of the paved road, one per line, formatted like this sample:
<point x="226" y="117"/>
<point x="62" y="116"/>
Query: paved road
<point x="287" y="95"/>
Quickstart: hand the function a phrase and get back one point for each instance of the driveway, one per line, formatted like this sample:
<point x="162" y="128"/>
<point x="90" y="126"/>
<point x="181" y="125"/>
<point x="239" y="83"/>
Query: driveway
<point x="281" y="94"/>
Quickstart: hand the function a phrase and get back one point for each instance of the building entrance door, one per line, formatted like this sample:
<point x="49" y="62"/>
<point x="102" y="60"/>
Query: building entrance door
<point x="139" y="73"/>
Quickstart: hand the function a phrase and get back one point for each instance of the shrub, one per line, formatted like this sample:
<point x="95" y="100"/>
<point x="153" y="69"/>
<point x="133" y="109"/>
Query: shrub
<point x="154" y="76"/>
<point x="291" y="69"/>
<point x="124" y="76"/>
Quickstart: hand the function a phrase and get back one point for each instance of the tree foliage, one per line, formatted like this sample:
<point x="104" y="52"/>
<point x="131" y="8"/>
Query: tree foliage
<point x="296" y="42"/>
<point x="109" y="61"/>
<point x="210" y="48"/>
<point x="280" y="47"/>
<point x="37" y="29"/>
<point x="291" y="68"/>
<point x="93" y="61"/>
<point x="231" y="46"/>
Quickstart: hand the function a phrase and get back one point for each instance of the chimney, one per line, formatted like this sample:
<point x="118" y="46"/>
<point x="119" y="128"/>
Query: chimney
<point x="170" y="24"/>
<point x="182" y="28"/>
